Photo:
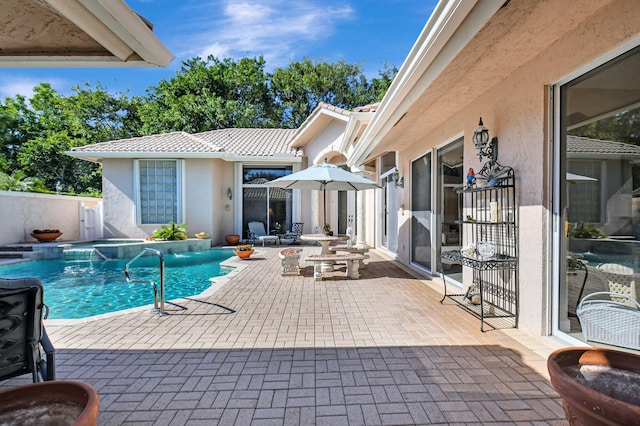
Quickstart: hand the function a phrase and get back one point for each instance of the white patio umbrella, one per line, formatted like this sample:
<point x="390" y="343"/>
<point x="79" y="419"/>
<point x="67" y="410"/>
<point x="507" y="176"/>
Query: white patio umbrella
<point x="323" y="177"/>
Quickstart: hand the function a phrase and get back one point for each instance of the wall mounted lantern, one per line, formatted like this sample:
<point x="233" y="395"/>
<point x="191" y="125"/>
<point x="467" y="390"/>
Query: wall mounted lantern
<point x="486" y="149"/>
<point x="229" y="194"/>
<point x="398" y="180"/>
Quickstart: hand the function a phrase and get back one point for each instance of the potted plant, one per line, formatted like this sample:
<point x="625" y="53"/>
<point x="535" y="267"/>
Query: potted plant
<point x="244" y="251"/>
<point x="327" y="229"/>
<point x="46" y="235"/>
<point x="171" y="232"/>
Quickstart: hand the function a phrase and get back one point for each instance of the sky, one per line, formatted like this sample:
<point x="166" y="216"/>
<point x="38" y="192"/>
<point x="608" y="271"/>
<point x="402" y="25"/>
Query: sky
<point x="370" y="33"/>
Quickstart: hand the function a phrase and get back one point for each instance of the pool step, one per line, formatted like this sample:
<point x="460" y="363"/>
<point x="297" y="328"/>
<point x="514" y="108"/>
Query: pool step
<point x="17" y="252"/>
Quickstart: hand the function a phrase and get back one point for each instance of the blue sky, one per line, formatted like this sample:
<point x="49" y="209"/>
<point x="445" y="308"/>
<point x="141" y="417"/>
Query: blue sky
<point x="357" y="31"/>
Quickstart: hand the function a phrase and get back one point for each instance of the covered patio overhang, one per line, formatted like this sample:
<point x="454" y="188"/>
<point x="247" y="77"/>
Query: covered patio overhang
<point x="466" y="48"/>
<point x="77" y="33"/>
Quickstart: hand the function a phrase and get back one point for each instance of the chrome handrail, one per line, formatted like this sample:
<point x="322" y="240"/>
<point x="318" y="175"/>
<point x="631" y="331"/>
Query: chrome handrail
<point x="158" y="253"/>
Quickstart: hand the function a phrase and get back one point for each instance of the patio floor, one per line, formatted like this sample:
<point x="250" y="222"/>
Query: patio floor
<point x="269" y="350"/>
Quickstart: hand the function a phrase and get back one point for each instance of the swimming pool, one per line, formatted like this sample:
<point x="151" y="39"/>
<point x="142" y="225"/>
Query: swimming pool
<point x="80" y="289"/>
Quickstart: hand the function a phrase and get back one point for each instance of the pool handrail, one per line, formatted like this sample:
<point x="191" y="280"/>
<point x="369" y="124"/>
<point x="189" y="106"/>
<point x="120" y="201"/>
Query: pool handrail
<point x="158" y="253"/>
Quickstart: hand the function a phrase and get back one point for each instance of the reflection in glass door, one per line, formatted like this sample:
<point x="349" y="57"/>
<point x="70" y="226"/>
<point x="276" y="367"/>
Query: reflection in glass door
<point x="421" y="212"/>
<point x="450" y="179"/>
<point x="598" y="208"/>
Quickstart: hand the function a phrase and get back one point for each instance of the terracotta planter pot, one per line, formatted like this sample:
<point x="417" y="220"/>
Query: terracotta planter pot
<point x="47" y="237"/>
<point x="50" y="403"/>
<point x="246" y="254"/>
<point x="597" y="386"/>
<point x="232" y="240"/>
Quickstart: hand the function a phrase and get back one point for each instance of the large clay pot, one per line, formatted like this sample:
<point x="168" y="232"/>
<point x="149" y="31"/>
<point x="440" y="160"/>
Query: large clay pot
<point x="597" y="386"/>
<point x="245" y="254"/>
<point x="50" y="403"/>
<point x="232" y="240"/>
<point x="47" y="237"/>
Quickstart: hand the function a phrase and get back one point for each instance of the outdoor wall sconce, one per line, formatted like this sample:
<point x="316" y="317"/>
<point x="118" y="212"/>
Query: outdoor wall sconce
<point x="486" y="149"/>
<point x="397" y="180"/>
<point x="229" y="194"/>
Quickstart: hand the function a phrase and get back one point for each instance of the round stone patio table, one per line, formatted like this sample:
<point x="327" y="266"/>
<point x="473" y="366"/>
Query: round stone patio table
<point x="324" y="241"/>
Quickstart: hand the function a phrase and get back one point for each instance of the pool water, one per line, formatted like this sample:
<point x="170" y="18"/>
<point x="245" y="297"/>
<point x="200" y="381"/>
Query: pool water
<point x="80" y="289"/>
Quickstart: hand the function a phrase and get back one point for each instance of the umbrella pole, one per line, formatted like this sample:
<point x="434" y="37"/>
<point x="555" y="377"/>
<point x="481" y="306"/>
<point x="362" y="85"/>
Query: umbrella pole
<point x="324" y="209"/>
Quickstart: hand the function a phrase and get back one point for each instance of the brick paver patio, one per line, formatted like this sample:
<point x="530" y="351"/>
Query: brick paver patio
<point x="269" y="350"/>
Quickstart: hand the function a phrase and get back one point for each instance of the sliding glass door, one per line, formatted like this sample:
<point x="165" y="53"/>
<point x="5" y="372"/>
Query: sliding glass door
<point x="421" y="212"/>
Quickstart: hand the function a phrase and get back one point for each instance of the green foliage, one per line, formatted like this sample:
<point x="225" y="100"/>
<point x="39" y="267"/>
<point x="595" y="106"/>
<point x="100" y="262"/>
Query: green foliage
<point x="209" y="95"/>
<point x="300" y="87"/>
<point x="244" y="247"/>
<point x="584" y="230"/>
<point x="204" y="95"/>
<point x="171" y="232"/>
<point x="18" y="181"/>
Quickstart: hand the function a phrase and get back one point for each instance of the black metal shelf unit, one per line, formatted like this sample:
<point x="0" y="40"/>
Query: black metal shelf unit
<point x="488" y="218"/>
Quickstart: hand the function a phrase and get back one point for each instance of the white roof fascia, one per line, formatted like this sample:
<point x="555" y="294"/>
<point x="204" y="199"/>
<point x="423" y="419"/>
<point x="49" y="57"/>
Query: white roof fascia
<point x="277" y="158"/>
<point x="356" y="121"/>
<point x="130" y="28"/>
<point x="451" y="26"/>
<point x="313" y="118"/>
<point x="96" y="156"/>
<point x="112" y="24"/>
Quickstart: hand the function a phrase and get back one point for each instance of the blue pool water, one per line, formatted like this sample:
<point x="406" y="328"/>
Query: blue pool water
<point x="596" y="259"/>
<point x="80" y="289"/>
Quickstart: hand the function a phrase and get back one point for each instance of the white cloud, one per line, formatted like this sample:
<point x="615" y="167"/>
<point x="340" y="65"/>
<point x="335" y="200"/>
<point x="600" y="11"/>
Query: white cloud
<point x="272" y="28"/>
<point x="11" y="85"/>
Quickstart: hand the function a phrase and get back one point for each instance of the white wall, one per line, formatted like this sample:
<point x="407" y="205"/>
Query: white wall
<point x="207" y="208"/>
<point x="22" y="212"/>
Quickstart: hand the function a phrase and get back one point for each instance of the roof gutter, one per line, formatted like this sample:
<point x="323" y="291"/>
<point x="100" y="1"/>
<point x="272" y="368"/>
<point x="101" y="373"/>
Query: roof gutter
<point x="451" y="26"/>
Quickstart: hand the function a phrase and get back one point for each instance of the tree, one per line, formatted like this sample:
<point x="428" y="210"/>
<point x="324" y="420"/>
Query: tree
<point x="36" y="133"/>
<point x="299" y="88"/>
<point x="209" y="95"/>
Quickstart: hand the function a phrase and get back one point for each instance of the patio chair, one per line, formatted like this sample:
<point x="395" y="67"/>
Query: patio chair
<point x="296" y="231"/>
<point x="620" y="279"/>
<point x="24" y="344"/>
<point x="257" y="231"/>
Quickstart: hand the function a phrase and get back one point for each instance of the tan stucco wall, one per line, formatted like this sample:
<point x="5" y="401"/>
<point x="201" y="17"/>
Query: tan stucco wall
<point x="207" y="207"/>
<point x="22" y="212"/>
<point x="515" y="111"/>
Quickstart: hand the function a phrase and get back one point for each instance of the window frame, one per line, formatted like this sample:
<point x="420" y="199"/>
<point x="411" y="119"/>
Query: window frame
<point x="179" y="190"/>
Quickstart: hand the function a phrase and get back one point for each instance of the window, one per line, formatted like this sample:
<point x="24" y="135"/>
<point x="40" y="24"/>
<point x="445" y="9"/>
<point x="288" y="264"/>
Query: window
<point x="158" y="191"/>
<point x="261" y="203"/>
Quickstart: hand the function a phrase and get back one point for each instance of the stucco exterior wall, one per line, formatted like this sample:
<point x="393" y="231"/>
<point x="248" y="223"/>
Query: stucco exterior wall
<point x="119" y="200"/>
<point x="206" y="205"/>
<point x="22" y="212"/>
<point x="516" y="112"/>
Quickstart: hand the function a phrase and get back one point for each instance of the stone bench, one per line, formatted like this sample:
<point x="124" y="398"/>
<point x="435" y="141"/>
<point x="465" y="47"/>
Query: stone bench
<point x="352" y="249"/>
<point x="351" y="259"/>
<point x="289" y="258"/>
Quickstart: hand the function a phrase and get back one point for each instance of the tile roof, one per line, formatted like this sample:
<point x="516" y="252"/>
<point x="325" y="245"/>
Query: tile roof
<point x="251" y="142"/>
<point x="162" y="143"/>
<point x="583" y="145"/>
<point x="242" y="142"/>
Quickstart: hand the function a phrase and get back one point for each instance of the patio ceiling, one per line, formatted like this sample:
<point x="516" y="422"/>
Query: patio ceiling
<point x="464" y="50"/>
<point x="77" y="33"/>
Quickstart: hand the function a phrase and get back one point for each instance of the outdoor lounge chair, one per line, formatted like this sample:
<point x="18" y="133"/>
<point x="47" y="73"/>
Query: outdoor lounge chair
<point x="24" y="344"/>
<point x="296" y="231"/>
<point x="257" y="231"/>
